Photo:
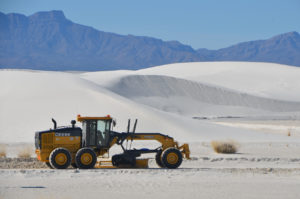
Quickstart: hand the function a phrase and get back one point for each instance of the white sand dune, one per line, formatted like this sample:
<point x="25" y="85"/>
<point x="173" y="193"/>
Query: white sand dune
<point x="162" y="101"/>
<point x="186" y="95"/>
<point x="29" y="100"/>
<point x="209" y="88"/>
<point x="268" y="80"/>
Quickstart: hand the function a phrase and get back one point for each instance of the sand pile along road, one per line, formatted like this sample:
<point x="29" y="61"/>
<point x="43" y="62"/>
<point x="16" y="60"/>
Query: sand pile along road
<point x="21" y="163"/>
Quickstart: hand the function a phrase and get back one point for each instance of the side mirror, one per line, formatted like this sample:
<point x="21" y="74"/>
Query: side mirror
<point x="114" y="123"/>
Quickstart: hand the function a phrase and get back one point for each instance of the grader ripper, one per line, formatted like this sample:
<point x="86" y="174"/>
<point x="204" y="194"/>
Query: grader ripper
<point x="61" y="147"/>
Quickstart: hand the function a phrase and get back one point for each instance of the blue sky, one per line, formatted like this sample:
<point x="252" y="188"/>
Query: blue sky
<point x="208" y="24"/>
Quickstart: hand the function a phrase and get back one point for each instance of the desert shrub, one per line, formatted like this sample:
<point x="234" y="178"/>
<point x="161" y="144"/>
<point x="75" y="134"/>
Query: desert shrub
<point x="289" y="132"/>
<point x="25" y="152"/>
<point x="224" y="146"/>
<point x="2" y="150"/>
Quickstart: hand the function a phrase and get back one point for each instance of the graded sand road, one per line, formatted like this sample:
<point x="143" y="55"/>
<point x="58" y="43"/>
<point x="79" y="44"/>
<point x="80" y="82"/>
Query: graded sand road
<point x="152" y="183"/>
<point x="259" y="170"/>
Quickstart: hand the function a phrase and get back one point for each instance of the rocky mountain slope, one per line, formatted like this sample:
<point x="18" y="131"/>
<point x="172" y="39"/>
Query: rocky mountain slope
<point x="50" y="41"/>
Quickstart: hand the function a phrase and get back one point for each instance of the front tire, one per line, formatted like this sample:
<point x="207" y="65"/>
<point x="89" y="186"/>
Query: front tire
<point x="171" y="158"/>
<point x="85" y="158"/>
<point x="60" y="158"/>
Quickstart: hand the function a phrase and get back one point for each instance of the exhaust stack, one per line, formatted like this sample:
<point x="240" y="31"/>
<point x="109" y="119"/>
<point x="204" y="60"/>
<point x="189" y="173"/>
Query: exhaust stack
<point x="54" y="123"/>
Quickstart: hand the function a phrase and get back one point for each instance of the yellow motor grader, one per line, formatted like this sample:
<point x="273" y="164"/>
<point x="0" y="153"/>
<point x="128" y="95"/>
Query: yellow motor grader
<point x="61" y="147"/>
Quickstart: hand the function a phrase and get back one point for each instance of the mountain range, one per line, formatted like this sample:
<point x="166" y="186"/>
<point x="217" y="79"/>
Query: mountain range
<point x="50" y="41"/>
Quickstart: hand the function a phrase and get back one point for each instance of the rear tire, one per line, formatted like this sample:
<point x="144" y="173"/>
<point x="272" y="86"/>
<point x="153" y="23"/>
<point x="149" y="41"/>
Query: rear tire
<point x="60" y="158"/>
<point x="85" y="158"/>
<point x="171" y="158"/>
<point x="158" y="159"/>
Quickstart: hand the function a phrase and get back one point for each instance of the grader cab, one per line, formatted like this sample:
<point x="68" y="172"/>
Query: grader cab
<point x="61" y="147"/>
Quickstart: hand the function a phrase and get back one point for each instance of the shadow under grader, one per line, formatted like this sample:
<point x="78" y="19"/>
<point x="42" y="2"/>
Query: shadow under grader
<point x="33" y="187"/>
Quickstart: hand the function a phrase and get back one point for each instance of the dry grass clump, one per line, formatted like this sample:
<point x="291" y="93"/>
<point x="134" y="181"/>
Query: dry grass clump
<point x="25" y="152"/>
<point x="224" y="146"/>
<point x="2" y="150"/>
<point x="289" y="132"/>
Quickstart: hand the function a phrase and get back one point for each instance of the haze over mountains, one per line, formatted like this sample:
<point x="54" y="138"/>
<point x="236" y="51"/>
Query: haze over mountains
<point x="49" y="41"/>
